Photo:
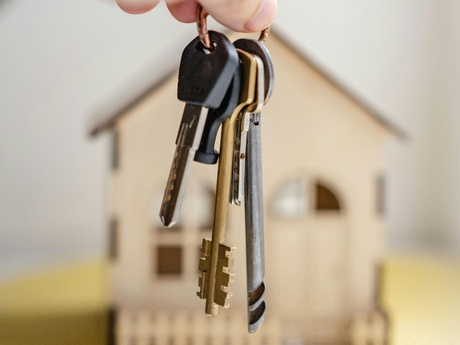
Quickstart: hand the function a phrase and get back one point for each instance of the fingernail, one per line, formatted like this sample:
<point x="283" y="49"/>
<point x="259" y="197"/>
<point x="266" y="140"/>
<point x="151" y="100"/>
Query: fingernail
<point x="137" y="6"/>
<point x="263" y="18"/>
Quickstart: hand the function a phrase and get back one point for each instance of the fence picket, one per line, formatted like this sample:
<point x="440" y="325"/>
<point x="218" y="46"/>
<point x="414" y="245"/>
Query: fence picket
<point x="181" y="328"/>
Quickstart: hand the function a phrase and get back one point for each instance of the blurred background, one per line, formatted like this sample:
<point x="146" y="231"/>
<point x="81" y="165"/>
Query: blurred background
<point x="62" y="63"/>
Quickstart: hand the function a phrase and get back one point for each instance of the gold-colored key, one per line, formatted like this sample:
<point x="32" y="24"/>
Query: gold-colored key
<point x="215" y="255"/>
<point x="241" y="134"/>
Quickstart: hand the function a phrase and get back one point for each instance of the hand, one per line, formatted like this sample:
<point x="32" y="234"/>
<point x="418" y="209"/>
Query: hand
<point x="238" y="15"/>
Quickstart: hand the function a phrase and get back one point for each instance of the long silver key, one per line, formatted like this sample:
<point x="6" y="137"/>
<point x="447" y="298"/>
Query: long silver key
<point x="254" y="211"/>
<point x="204" y="77"/>
<point x="254" y="216"/>
<point x="215" y="255"/>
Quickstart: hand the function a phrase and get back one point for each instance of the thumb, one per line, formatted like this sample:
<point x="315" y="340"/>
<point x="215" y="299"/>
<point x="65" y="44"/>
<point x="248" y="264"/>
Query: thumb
<point x="238" y="15"/>
<point x="137" y="6"/>
<point x="242" y="15"/>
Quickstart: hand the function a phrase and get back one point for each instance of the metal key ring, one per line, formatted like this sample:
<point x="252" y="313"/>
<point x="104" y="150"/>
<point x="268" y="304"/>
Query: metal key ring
<point x="202" y="27"/>
<point x="264" y="34"/>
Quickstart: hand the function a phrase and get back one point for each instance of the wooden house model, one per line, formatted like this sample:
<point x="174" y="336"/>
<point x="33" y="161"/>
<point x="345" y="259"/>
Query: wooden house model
<point x="324" y="181"/>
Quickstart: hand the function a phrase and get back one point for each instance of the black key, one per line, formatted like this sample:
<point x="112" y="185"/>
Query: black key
<point x="204" y="78"/>
<point x="206" y="153"/>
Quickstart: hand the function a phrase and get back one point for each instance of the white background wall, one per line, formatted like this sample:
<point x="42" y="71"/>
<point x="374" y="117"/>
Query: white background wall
<point x="61" y="63"/>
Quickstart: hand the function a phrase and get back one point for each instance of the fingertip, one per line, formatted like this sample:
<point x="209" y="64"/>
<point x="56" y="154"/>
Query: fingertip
<point x="263" y="18"/>
<point x="137" y="6"/>
<point x="184" y="10"/>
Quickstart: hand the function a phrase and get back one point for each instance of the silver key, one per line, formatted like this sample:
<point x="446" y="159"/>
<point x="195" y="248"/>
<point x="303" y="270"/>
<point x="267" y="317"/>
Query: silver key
<point x="254" y="196"/>
<point x="254" y="216"/>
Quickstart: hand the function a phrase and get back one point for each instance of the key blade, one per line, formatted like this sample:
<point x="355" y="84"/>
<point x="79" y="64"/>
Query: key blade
<point x="203" y="266"/>
<point x="187" y="142"/>
<point x="254" y="215"/>
<point x="239" y="158"/>
<point x="241" y="133"/>
<point x="254" y="207"/>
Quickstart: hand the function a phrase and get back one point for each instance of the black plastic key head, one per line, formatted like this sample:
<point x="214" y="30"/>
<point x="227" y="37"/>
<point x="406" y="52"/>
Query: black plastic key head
<point x="206" y="153"/>
<point x="204" y="76"/>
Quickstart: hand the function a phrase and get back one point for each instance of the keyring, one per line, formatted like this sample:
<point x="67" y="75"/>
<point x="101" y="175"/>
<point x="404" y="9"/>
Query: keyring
<point x="202" y="27"/>
<point x="264" y="34"/>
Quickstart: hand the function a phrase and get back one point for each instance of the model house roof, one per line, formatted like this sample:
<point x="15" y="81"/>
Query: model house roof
<point x="108" y="121"/>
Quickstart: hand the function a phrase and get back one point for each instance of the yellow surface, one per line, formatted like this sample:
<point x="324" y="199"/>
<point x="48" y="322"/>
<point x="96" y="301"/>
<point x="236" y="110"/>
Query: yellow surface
<point x="68" y="305"/>
<point x="422" y="296"/>
<point x="65" y="305"/>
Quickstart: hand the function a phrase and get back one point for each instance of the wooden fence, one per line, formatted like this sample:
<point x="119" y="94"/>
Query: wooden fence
<point x="146" y="328"/>
<point x="180" y="328"/>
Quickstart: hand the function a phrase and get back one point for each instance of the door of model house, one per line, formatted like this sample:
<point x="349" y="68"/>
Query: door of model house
<point x="326" y="267"/>
<point x="306" y="244"/>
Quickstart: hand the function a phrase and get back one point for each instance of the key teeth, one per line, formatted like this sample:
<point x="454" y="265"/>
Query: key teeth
<point x="222" y="297"/>
<point x="202" y="285"/>
<point x="225" y="256"/>
<point x="205" y="247"/>
<point x="256" y="318"/>
<point x="231" y="262"/>
<point x="224" y="279"/>
<point x="227" y="303"/>
<point x="203" y="266"/>
<point x="256" y="308"/>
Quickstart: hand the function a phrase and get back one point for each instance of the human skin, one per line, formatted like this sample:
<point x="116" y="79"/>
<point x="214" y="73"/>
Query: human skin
<point x="238" y="15"/>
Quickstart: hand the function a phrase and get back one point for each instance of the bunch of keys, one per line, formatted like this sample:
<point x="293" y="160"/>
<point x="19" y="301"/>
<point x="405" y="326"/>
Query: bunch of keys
<point x="224" y="84"/>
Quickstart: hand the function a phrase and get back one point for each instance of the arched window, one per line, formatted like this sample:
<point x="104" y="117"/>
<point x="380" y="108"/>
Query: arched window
<point x="326" y="200"/>
<point x="291" y="200"/>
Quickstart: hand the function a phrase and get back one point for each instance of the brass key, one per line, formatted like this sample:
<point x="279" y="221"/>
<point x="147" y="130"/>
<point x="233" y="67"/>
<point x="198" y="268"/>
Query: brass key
<point x="215" y="255"/>
<point x="241" y="134"/>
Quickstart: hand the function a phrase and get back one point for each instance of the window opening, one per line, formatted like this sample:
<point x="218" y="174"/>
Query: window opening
<point x="113" y="238"/>
<point x="115" y="154"/>
<point x="291" y="200"/>
<point x="380" y="194"/>
<point x="326" y="200"/>
<point x="169" y="260"/>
